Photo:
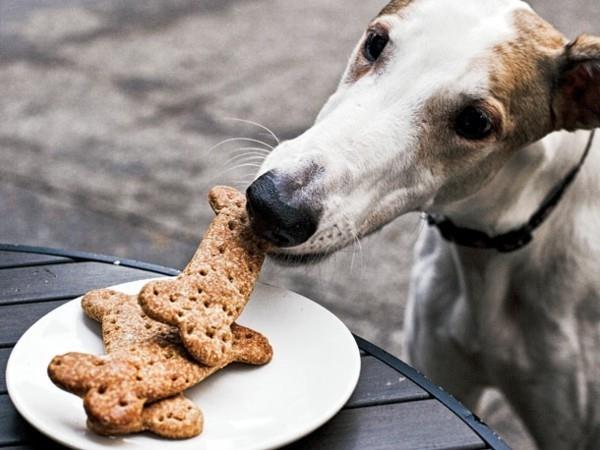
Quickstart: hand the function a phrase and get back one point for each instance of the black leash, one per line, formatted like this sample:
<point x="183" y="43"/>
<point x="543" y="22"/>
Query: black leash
<point x="519" y="237"/>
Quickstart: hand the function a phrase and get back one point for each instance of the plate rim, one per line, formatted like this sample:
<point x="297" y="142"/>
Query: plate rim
<point x="269" y="444"/>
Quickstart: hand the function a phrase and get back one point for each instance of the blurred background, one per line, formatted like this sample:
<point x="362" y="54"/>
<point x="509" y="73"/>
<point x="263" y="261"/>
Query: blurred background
<point x="112" y="112"/>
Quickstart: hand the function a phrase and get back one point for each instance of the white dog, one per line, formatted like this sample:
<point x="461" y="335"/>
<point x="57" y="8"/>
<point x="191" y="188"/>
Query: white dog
<point x="467" y="110"/>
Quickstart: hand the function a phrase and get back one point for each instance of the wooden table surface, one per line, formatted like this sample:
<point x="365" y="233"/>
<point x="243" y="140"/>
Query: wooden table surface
<point x="393" y="407"/>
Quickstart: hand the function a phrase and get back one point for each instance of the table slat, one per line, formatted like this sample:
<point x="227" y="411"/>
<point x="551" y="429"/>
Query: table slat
<point x="12" y="427"/>
<point x="4" y="353"/>
<point x="16" y="319"/>
<point x="20" y="259"/>
<point x="379" y="383"/>
<point x="425" y="424"/>
<point x="27" y="437"/>
<point x="47" y="282"/>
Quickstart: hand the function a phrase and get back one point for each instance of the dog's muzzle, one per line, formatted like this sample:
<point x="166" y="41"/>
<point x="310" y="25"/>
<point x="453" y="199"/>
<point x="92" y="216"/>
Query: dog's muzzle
<point x="277" y="213"/>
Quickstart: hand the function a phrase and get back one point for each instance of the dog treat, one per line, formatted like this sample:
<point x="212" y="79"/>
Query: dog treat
<point x="125" y="325"/>
<point x="215" y="286"/>
<point x="146" y="362"/>
<point x="173" y="418"/>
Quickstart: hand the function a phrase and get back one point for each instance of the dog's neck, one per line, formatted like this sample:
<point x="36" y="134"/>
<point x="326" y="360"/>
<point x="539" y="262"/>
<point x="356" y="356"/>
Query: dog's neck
<point x="506" y="203"/>
<point x="519" y="189"/>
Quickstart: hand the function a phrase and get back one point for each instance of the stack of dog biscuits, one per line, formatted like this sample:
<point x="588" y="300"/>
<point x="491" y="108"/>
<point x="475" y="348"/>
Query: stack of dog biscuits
<point x="171" y="336"/>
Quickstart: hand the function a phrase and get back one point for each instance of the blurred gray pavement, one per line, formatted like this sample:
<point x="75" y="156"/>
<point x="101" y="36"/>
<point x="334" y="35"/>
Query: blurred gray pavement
<point x="109" y="108"/>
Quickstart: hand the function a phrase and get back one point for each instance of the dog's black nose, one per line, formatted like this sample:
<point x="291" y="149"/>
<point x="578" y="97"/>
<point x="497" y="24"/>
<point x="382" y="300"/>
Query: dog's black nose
<point x="274" y="217"/>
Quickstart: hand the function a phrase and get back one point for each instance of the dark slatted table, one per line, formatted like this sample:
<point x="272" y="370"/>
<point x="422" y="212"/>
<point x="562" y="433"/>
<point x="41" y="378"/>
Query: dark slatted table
<point x="393" y="407"/>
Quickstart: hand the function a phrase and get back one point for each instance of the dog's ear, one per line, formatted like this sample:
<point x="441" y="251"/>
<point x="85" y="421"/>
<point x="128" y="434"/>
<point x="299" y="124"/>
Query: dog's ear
<point x="576" y="101"/>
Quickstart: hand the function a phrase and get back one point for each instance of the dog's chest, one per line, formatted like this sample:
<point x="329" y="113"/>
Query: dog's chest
<point x="513" y="316"/>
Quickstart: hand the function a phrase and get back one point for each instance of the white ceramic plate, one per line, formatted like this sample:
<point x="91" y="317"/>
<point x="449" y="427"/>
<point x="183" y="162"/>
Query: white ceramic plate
<point x="314" y="370"/>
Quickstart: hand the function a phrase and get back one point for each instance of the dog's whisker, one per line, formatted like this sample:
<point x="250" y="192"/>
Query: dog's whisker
<point x="420" y="225"/>
<point x="263" y="151"/>
<point x="356" y="241"/>
<point x="357" y="244"/>
<point x="353" y="255"/>
<point x="250" y="153"/>
<point x="251" y="122"/>
<point x="244" y="139"/>
<point x="239" y="166"/>
<point x="240" y="184"/>
<point x="249" y="157"/>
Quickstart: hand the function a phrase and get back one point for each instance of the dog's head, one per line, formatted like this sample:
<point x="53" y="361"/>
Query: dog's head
<point x="437" y="96"/>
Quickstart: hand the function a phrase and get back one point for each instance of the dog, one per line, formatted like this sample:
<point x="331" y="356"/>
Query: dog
<point x="479" y="114"/>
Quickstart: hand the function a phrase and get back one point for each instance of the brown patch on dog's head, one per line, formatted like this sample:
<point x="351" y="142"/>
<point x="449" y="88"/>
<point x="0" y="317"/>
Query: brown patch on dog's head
<point x="395" y="6"/>
<point x="538" y="83"/>
<point x="518" y="101"/>
<point x="522" y="74"/>
<point x="545" y="83"/>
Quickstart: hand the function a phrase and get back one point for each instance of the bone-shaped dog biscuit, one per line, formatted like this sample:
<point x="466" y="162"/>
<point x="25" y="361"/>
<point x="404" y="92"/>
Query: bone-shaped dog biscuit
<point x="146" y="362"/>
<point x="173" y="418"/>
<point x="215" y="286"/>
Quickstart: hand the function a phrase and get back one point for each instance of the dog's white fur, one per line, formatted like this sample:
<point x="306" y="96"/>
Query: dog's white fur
<point x="527" y="322"/>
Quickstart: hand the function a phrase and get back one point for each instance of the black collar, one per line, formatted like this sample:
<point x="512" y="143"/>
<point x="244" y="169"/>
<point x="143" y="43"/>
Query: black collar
<point x="514" y="239"/>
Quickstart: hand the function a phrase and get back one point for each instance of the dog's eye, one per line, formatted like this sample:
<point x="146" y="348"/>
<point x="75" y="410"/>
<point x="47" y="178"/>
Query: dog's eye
<point x="473" y="123"/>
<point x="374" y="45"/>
